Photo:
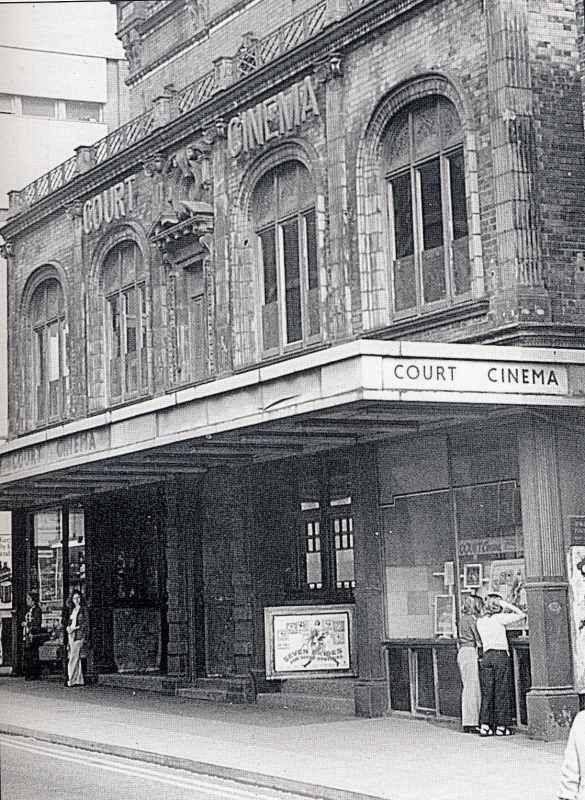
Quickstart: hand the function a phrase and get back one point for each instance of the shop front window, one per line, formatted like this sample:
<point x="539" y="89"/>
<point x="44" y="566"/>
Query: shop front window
<point x="327" y="560"/>
<point x="47" y="563"/>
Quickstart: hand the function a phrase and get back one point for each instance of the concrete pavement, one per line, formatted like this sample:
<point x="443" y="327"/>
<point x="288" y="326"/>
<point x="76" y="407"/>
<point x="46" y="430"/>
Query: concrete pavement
<point x="325" y="755"/>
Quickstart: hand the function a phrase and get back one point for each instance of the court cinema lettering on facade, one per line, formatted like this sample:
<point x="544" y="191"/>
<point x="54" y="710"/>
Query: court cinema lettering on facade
<point x="475" y="376"/>
<point x="112" y="204"/>
<point x="273" y="118"/>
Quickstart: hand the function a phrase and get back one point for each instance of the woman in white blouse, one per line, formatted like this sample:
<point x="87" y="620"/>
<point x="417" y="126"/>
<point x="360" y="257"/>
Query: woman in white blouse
<point x="495" y="672"/>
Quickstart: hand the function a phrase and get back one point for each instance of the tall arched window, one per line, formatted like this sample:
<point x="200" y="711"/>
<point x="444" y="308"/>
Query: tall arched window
<point x="49" y="346"/>
<point x="127" y="321"/>
<point x="424" y="165"/>
<point x="283" y="214"/>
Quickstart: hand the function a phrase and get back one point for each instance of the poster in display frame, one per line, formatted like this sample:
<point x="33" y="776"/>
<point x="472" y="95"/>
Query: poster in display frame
<point x="445" y="615"/>
<point x="316" y="641"/>
<point x="472" y="576"/>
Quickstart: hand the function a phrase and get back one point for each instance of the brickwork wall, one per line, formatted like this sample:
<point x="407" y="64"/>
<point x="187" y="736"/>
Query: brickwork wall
<point x="339" y="147"/>
<point x="259" y="19"/>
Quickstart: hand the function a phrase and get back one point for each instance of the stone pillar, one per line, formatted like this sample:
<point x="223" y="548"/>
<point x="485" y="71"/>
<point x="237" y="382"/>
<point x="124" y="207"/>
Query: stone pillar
<point x="552" y="701"/>
<point x="98" y="575"/>
<point x="338" y="304"/>
<point x="220" y="269"/>
<point x="370" y="689"/>
<point x="76" y="314"/>
<point x="520" y="293"/>
<point x="20" y="570"/>
<point x="178" y="549"/>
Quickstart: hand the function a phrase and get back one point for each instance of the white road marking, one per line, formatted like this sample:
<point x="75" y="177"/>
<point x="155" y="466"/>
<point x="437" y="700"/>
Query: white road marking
<point x="203" y="783"/>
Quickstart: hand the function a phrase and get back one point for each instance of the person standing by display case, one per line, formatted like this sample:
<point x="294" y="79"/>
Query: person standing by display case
<point x="77" y="633"/>
<point x="467" y="660"/>
<point x="495" y="671"/>
<point x="31" y="636"/>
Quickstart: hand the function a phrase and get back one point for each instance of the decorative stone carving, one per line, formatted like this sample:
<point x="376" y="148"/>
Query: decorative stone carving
<point x="153" y="164"/>
<point x="6" y="250"/>
<point x="132" y="45"/>
<point x="74" y="210"/>
<point x="199" y="12"/>
<point x="330" y="68"/>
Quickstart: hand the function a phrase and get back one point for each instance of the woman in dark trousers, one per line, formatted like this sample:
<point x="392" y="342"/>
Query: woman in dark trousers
<point x="495" y="715"/>
<point x="31" y="637"/>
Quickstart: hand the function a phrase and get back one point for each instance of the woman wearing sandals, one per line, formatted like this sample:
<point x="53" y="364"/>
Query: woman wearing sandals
<point x="495" y="672"/>
<point x="467" y="661"/>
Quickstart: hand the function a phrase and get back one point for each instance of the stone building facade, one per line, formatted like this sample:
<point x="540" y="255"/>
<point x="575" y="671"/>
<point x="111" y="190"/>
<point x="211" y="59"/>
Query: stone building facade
<point x="302" y="344"/>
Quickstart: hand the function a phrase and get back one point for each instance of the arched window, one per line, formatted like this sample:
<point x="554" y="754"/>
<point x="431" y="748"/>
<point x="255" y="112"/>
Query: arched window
<point x="283" y="215"/>
<point x="124" y="288"/>
<point x="424" y="167"/>
<point x="49" y="347"/>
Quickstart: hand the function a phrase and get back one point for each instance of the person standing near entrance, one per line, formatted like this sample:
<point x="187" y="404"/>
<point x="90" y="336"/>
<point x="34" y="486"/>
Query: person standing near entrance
<point x="468" y="662"/>
<point x="31" y="636"/>
<point x="495" y="714"/>
<point x="77" y="633"/>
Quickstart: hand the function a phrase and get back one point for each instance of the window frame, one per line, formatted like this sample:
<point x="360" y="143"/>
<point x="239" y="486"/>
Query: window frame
<point x="443" y="154"/>
<point x="41" y="361"/>
<point x="139" y="285"/>
<point x="184" y="317"/>
<point x="276" y="227"/>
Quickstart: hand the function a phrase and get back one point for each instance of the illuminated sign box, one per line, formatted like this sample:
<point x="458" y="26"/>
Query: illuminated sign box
<point x="317" y="641"/>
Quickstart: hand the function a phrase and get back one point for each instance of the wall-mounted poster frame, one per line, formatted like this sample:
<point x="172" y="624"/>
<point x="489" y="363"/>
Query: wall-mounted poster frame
<point x="445" y="615"/>
<point x="472" y="576"/>
<point x="317" y="641"/>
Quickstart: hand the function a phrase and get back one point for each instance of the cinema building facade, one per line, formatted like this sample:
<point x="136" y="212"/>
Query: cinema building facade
<point x="296" y="356"/>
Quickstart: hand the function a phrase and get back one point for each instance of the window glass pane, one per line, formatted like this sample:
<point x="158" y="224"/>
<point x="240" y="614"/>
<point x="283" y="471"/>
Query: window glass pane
<point x="403" y="270"/>
<point x="425" y="123"/>
<point x="267" y="244"/>
<point x="313" y="564"/>
<point x="130" y="260"/>
<point x="38" y="306"/>
<point x="77" y="550"/>
<point x="451" y="131"/>
<point x="38" y="107"/>
<point x="433" y="256"/>
<point x="305" y="188"/>
<point x="264" y="200"/>
<point x="397" y="146"/>
<point x="83" y="111"/>
<point x="457" y="186"/>
<point x="314" y="308"/>
<point x="54" y="299"/>
<point x="115" y="327"/>
<point x="130" y="318"/>
<point x="431" y="209"/>
<point x="288" y="188"/>
<point x="47" y="575"/>
<point x="402" y="214"/>
<point x="292" y="280"/>
<point x="53" y="352"/>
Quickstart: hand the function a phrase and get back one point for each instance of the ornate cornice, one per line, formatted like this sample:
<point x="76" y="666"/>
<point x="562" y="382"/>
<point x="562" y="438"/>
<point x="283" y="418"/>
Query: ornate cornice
<point x="333" y="39"/>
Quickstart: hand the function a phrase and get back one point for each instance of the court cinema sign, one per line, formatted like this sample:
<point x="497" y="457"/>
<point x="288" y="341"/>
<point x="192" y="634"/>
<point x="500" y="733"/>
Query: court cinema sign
<point x="273" y="118"/>
<point x="113" y="203"/>
<point x="475" y="376"/>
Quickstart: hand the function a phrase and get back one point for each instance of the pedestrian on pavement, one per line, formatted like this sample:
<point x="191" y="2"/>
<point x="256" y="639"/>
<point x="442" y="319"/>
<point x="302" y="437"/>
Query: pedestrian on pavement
<point x="572" y="780"/>
<point x="77" y="634"/>
<point x="470" y="649"/>
<point x="495" y="673"/>
<point x="31" y="636"/>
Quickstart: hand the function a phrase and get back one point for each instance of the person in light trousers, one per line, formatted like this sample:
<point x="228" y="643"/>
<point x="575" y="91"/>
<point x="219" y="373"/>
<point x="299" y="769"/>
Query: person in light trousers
<point x="468" y="662"/>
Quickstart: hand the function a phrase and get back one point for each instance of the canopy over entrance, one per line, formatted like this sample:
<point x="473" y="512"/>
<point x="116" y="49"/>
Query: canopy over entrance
<point x="336" y="397"/>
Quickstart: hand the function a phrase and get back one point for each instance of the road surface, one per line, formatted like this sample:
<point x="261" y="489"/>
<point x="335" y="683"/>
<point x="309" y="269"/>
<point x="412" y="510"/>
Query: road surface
<point x="34" y="770"/>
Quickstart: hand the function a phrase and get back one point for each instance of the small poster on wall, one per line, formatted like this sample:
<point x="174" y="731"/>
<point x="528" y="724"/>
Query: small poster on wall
<point x="311" y="640"/>
<point x="576" y="570"/>
<point x="445" y="615"/>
